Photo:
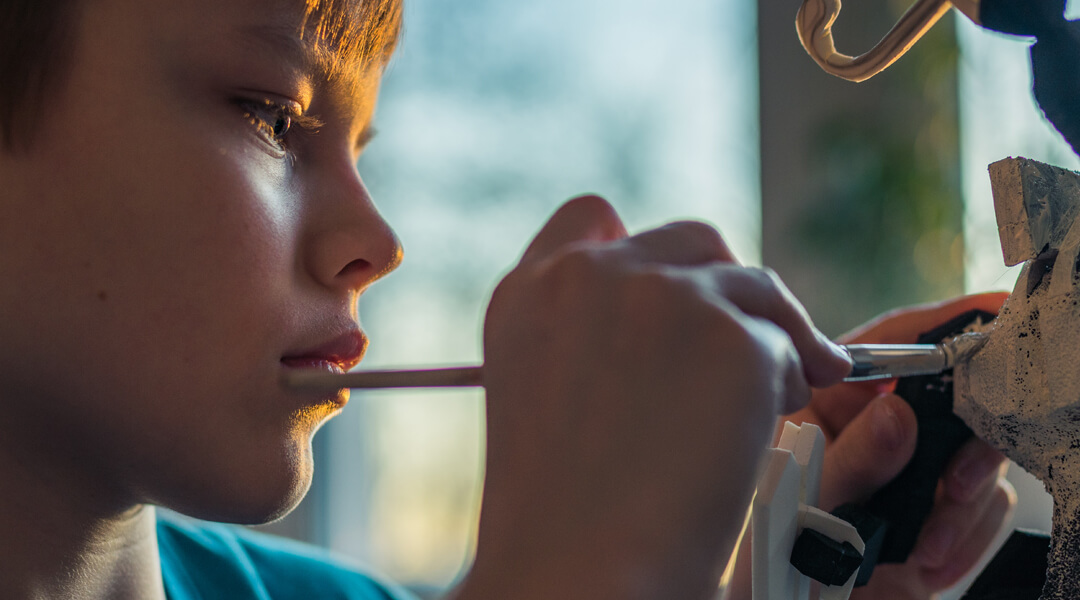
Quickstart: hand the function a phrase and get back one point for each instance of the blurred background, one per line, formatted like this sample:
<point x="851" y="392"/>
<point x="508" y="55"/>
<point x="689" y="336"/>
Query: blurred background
<point x="864" y="197"/>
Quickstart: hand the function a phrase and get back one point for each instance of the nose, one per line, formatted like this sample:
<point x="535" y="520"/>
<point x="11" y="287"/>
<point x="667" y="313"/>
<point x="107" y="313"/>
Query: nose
<point x="349" y="244"/>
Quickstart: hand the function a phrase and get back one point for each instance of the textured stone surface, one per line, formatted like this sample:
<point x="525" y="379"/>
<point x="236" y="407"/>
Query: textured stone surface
<point x="1035" y="205"/>
<point x="1021" y="392"/>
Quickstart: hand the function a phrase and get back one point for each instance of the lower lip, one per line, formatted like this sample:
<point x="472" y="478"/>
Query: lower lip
<point x="338" y="399"/>
<point x="319" y="364"/>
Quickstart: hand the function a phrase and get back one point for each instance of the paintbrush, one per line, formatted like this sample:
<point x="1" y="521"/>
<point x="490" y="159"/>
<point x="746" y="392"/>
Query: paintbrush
<point x="888" y="361"/>
<point x="869" y="361"/>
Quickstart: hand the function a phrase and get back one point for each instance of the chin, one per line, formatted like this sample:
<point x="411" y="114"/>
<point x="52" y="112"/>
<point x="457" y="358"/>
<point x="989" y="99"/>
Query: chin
<point x="261" y="489"/>
<point x="272" y="503"/>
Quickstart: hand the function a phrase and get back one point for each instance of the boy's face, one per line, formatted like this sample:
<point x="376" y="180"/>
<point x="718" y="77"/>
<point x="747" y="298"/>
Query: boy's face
<point x="166" y="254"/>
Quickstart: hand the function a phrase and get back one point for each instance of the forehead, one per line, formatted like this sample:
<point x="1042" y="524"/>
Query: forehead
<point x="338" y="39"/>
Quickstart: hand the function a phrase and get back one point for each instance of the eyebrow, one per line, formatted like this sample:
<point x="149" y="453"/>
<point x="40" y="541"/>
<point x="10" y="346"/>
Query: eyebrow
<point x="287" y="45"/>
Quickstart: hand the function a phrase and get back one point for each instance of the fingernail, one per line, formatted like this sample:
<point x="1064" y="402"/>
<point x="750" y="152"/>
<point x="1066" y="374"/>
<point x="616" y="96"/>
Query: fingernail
<point x="886" y="426"/>
<point x="835" y="365"/>
<point x="934" y="544"/>
<point x="837" y="350"/>
<point x="969" y="474"/>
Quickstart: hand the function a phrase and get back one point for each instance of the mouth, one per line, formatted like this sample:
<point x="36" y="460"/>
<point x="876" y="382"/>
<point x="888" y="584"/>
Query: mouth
<point x="337" y="355"/>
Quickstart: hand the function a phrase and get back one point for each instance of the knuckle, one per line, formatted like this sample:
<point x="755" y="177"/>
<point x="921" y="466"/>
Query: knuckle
<point x="596" y="210"/>
<point x="574" y="283"/>
<point x="575" y="266"/>
<point x="703" y="235"/>
<point x="772" y="294"/>
<point x="591" y="203"/>
<point x="760" y="346"/>
<point x="765" y="359"/>
<point x="766" y="280"/>
<point x="766" y="339"/>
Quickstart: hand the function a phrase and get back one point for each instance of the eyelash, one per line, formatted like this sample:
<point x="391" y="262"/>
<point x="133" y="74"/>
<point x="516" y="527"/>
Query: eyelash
<point x="273" y="121"/>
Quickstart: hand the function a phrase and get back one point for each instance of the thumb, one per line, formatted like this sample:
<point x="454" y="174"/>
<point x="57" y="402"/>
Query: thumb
<point x="869" y="452"/>
<point x="583" y="219"/>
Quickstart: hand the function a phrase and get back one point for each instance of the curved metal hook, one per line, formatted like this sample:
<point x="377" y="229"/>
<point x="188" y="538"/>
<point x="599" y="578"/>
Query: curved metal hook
<point x="816" y="17"/>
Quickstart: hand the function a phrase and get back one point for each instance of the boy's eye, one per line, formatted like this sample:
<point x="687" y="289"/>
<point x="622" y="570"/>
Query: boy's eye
<point x="281" y="125"/>
<point x="271" y="120"/>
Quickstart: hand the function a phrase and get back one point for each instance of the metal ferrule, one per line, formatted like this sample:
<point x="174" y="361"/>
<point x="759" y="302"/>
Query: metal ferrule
<point x="886" y="361"/>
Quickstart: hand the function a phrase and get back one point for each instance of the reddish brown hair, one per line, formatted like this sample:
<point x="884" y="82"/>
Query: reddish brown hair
<point x="360" y="31"/>
<point x="37" y="38"/>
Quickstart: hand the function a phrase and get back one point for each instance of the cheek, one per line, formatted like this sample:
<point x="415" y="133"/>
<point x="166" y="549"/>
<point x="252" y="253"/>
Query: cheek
<point x="146" y="280"/>
<point x="152" y="214"/>
<point x="163" y="242"/>
<point x="204" y="260"/>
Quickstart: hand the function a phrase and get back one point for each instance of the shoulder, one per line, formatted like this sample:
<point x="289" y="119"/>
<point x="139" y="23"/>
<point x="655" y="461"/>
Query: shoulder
<point x="212" y="560"/>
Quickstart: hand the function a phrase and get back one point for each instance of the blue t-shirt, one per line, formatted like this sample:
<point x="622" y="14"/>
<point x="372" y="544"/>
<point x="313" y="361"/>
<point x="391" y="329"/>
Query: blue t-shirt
<point x="209" y="561"/>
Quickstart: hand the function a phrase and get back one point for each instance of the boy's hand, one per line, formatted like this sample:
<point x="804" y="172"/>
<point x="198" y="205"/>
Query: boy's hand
<point x="632" y="385"/>
<point x="871" y="436"/>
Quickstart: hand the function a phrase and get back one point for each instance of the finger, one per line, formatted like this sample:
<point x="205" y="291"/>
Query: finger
<point x="683" y="243"/>
<point x="948" y="524"/>
<point x="797" y="391"/>
<point x="783" y="363"/>
<point x="583" y="219"/>
<point x="974" y="466"/>
<point x="903" y="326"/>
<point x="869" y="452"/>
<point x="835" y="407"/>
<point x="759" y="292"/>
<point x="964" y="553"/>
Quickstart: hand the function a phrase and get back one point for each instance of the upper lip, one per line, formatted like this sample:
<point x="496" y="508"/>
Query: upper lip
<point x="344" y="350"/>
